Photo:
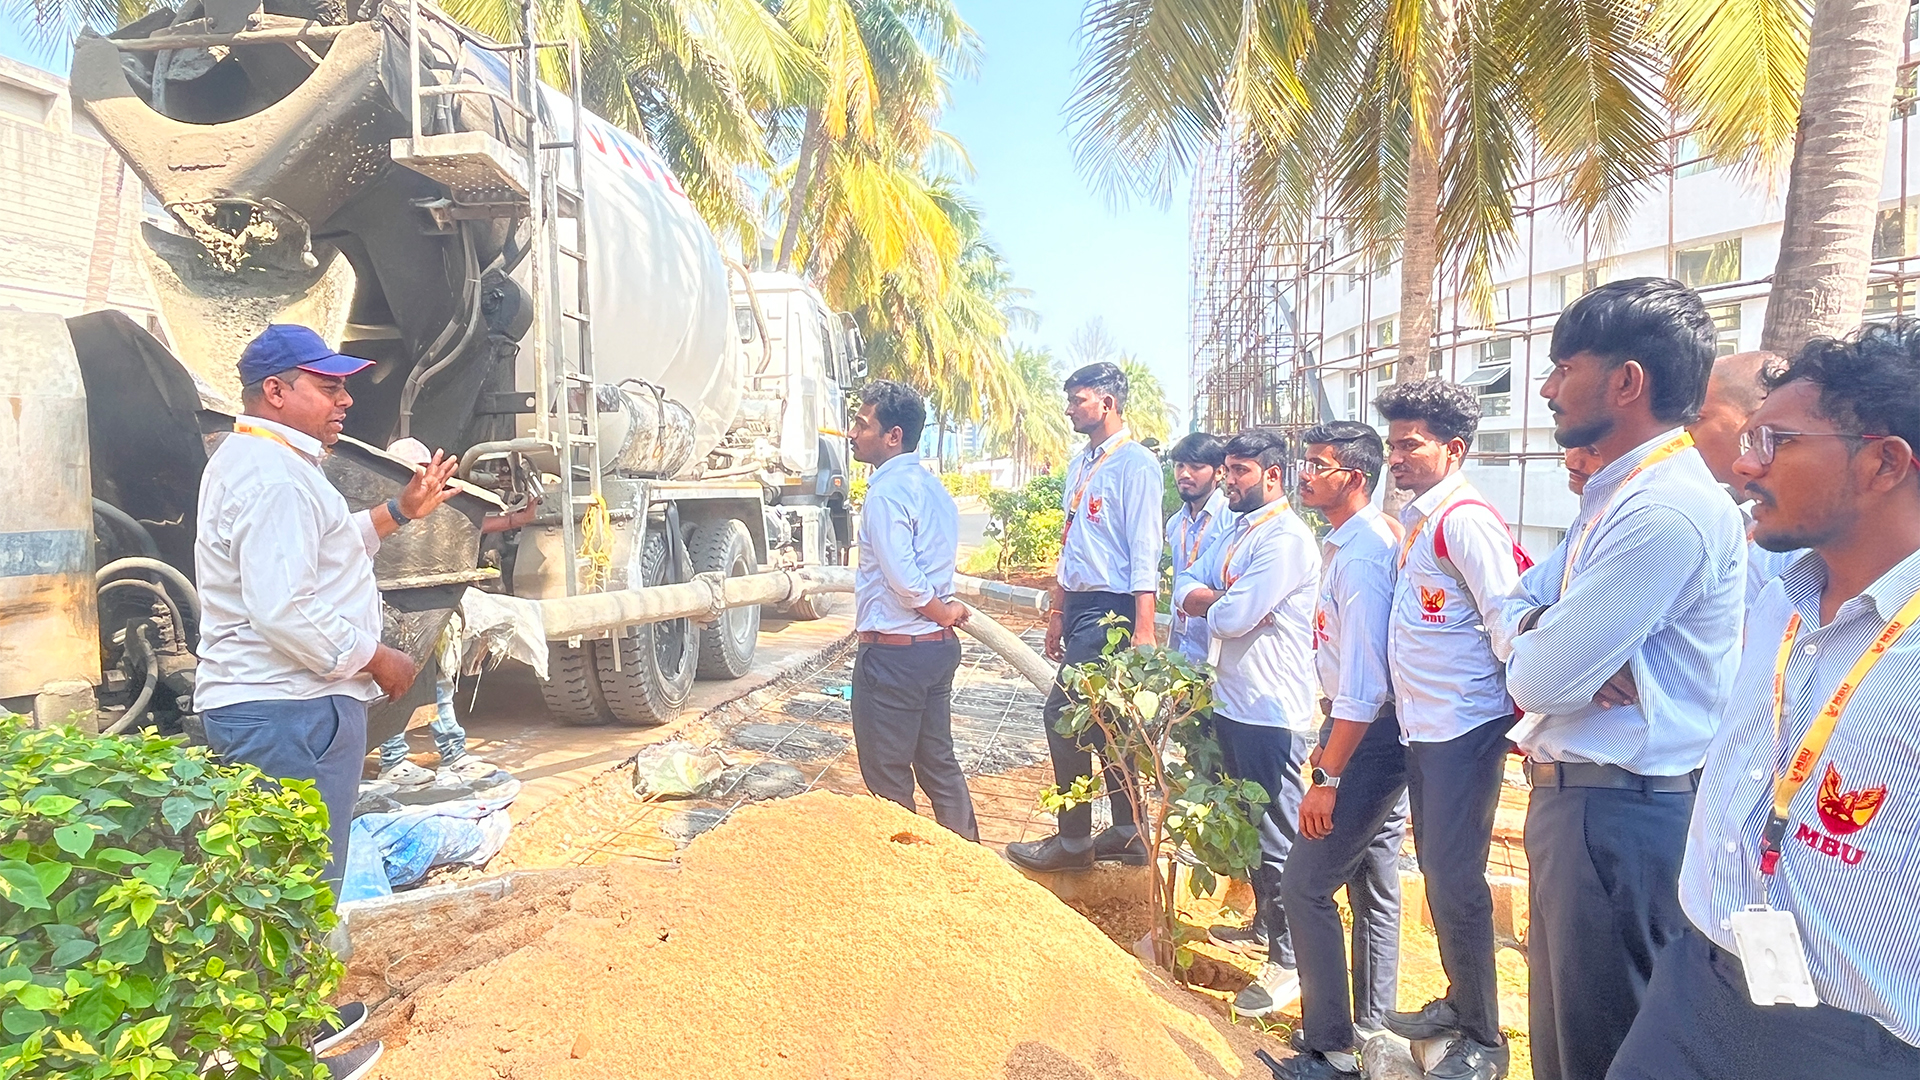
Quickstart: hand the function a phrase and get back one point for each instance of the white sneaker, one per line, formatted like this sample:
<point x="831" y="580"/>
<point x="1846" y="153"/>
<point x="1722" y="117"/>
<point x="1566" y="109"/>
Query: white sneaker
<point x="468" y="767"/>
<point x="406" y="776"/>
<point x="1273" y="989"/>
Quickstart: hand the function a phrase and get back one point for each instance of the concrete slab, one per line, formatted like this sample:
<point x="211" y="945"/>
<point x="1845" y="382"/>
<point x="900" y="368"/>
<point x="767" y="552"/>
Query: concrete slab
<point x="509" y="725"/>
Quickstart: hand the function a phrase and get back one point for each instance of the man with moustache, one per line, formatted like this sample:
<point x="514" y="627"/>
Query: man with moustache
<point x="1621" y="649"/>
<point x="1353" y="819"/>
<point x="1734" y="391"/>
<point x="1256" y="588"/>
<point x="1109" y="565"/>
<point x="1800" y="856"/>
<point x="1203" y="515"/>
<point x="1456" y="564"/>
<point x="1581" y="462"/>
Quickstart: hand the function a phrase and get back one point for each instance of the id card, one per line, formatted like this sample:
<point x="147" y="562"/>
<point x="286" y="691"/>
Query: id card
<point x="1774" y="959"/>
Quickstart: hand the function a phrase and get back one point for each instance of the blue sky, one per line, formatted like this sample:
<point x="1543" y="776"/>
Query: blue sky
<point x="1080" y="258"/>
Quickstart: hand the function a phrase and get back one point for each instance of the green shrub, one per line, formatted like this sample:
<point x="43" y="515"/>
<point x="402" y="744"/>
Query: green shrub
<point x="1027" y="523"/>
<point x="961" y="485"/>
<point x="156" y="908"/>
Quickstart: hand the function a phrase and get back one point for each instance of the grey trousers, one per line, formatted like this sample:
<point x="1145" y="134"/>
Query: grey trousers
<point x="323" y="740"/>
<point x="1361" y="853"/>
<point x="1454" y="789"/>
<point x="903" y="728"/>
<point x="1271" y="757"/>
<point x="1604" y="900"/>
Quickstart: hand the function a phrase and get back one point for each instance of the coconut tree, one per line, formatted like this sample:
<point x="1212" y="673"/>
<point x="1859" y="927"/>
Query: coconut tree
<point x="1030" y="427"/>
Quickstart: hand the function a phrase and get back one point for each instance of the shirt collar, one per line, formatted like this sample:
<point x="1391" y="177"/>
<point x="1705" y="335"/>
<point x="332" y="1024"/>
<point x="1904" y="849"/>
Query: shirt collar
<point x="1353" y="526"/>
<point x="1437" y="494"/>
<point x="299" y="440"/>
<point x="1096" y="452"/>
<point x="1807" y="577"/>
<point x="911" y="460"/>
<point x="1615" y="473"/>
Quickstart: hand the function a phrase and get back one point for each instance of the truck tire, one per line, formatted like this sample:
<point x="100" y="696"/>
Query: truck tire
<point x="821" y="605"/>
<point x="726" y="647"/>
<point x="654" y="674"/>
<point x="571" y="690"/>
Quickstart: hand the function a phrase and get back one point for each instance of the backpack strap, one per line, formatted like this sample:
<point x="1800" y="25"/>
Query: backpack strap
<point x="1440" y="541"/>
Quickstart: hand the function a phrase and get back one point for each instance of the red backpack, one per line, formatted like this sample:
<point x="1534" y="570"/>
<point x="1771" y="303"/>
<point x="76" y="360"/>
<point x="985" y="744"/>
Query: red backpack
<point x="1521" y="559"/>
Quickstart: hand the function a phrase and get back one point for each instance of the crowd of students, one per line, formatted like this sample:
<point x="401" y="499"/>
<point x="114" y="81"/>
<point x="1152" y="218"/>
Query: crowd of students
<point x="1709" y="682"/>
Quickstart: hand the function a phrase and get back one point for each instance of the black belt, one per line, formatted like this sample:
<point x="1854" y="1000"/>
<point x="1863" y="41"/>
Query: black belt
<point x="1585" y="774"/>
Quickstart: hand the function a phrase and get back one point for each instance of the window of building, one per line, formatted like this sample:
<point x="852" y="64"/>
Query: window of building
<point x="1708" y="264"/>
<point x="1353" y="395"/>
<point x="1692" y="158"/>
<point x="1353" y="343"/>
<point x="1433" y="363"/>
<point x="1496" y="351"/>
<point x="1383" y="332"/>
<point x="1381" y="266"/>
<point x="1351" y="272"/>
<point x="1493" y="382"/>
<point x="1493" y="448"/>
<point x="1893" y="231"/>
<point x="1888" y="298"/>
<point x="1572" y="286"/>
<point x="1726" y="329"/>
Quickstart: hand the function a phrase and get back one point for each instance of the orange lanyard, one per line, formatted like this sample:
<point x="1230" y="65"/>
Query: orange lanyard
<point x="1227" y="576"/>
<point x="241" y="427"/>
<point x="1414" y="533"/>
<point x="1661" y="453"/>
<point x="1788" y="784"/>
<point x="1186" y="530"/>
<point x="1080" y="492"/>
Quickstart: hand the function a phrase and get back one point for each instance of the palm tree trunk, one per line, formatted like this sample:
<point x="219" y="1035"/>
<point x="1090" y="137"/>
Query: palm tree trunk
<point x="810" y="140"/>
<point x="1833" y="192"/>
<point x="1420" y="249"/>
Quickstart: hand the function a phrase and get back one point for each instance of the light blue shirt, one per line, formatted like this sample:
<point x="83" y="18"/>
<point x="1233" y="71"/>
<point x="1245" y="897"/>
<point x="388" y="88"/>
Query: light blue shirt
<point x="1113" y="538"/>
<point x="1850" y="883"/>
<point x="1350" y="621"/>
<point x="1189" y="533"/>
<point x="909" y="533"/>
<point x="1446" y="681"/>
<point x="1659" y="585"/>
<point x="1262" y="624"/>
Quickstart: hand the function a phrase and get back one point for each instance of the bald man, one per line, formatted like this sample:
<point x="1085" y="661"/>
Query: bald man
<point x="1734" y="394"/>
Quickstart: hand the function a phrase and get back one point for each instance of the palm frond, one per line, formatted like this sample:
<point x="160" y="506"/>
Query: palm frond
<point x="1737" y="67"/>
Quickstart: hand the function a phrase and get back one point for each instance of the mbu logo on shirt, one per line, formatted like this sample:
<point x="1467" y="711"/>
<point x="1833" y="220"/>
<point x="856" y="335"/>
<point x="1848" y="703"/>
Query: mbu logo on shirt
<point x="1320" y="628"/>
<point x="1432" y="601"/>
<point x="1844" y="812"/>
<point x="1093" y="507"/>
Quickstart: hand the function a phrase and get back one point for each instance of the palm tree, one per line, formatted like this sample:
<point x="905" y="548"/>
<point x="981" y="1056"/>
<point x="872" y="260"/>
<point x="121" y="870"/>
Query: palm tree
<point x="1030" y="426"/>
<point x="1410" y="123"/>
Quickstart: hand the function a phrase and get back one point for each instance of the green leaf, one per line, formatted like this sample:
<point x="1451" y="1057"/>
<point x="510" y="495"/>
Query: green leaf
<point x="178" y="811"/>
<point x="93" y="1012"/>
<point x="71" y="952"/>
<point x="20" y="885"/>
<point x="36" y="996"/>
<point x="52" y="875"/>
<point x="143" y="908"/>
<point x="75" y="840"/>
<point x="19" y="1020"/>
<point x="54" y="805"/>
<point x="128" y="948"/>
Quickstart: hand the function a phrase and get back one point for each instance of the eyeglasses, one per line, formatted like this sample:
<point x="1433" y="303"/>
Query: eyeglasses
<point x="1761" y="441"/>
<point x="1314" y="468"/>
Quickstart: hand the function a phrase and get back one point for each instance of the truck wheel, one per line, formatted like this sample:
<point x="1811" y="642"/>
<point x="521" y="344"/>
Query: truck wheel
<point x="656" y="660"/>
<point x="821" y="605"/>
<point x="726" y="647"/>
<point x="572" y="692"/>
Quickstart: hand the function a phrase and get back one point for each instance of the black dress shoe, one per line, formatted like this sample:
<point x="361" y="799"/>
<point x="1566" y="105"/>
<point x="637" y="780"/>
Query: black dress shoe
<point x="1466" y="1059"/>
<point x="1121" y="844"/>
<point x="1437" y="1018"/>
<point x="1050" y="855"/>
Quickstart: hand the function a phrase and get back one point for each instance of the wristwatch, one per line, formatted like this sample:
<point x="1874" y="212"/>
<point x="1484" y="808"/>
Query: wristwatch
<point x="1323" y="778"/>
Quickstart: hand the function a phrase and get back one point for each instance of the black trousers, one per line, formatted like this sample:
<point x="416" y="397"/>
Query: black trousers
<point x="903" y="727"/>
<point x="1454" y="789"/>
<point x="1271" y="757"/>
<point x="1367" y="823"/>
<point x="1603" y="900"/>
<point x="1699" y="1024"/>
<point x="1084" y="638"/>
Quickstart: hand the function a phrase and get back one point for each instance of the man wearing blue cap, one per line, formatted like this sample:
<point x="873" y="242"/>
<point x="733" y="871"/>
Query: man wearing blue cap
<point x="290" y="652"/>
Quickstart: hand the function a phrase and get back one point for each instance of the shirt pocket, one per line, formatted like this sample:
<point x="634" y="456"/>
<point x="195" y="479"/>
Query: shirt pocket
<point x="1860" y="810"/>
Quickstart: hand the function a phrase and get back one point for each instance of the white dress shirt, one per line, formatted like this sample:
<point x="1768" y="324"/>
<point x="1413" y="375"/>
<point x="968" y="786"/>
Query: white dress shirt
<point x="1849" y="882"/>
<point x="289" y="607"/>
<point x="1189" y="533"/>
<point x="1350" y="621"/>
<point x="1658" y="585"/>
<point x="909" y="533"/>
<point x="1262" y="624"/>
<point x="1446" y="681"/>
<point x="1112" y="541"/>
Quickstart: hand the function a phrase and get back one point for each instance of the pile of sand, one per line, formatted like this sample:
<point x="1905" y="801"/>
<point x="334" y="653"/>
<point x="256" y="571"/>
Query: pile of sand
<point x="821" y="936"/>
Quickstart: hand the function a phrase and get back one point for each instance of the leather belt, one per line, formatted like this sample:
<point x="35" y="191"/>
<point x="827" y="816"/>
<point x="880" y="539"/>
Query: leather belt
<point x="873" y="637"/>
<point x="1586" y="774"/>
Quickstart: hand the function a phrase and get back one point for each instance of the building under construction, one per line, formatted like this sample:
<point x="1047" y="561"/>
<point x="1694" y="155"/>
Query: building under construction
<point x="1294" y="331"/>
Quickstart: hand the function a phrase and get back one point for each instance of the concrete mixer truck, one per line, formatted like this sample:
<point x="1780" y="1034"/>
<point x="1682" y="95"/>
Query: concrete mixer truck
<point x="630" y="408"/>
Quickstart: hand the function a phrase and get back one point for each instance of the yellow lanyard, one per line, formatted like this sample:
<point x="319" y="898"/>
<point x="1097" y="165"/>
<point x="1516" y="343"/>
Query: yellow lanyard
<point x="241" y="427"/>
<point x="1080" y="492"/>
<point x="1227" y="576"/>
<point x="1660" y="453"/>
<point x="1186" y="530"/>
<point x="1414" y="533"/>
<point x="1788" y="784"/>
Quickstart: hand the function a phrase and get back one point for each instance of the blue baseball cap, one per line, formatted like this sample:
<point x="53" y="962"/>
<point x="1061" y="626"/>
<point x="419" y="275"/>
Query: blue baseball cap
<point x="283" y="347"/>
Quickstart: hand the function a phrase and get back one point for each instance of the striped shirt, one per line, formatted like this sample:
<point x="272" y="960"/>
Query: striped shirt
<point x="1658" y="586"/>
<point x="1189" y="533"/>
<point x="1446" y="681"/>
<point x="1262" y="624"/>
<point x="1850" y="885"/>
<point x="1112" y="541"/>
<point x="909" y="533"/>
<point x="1350" y="620"/>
